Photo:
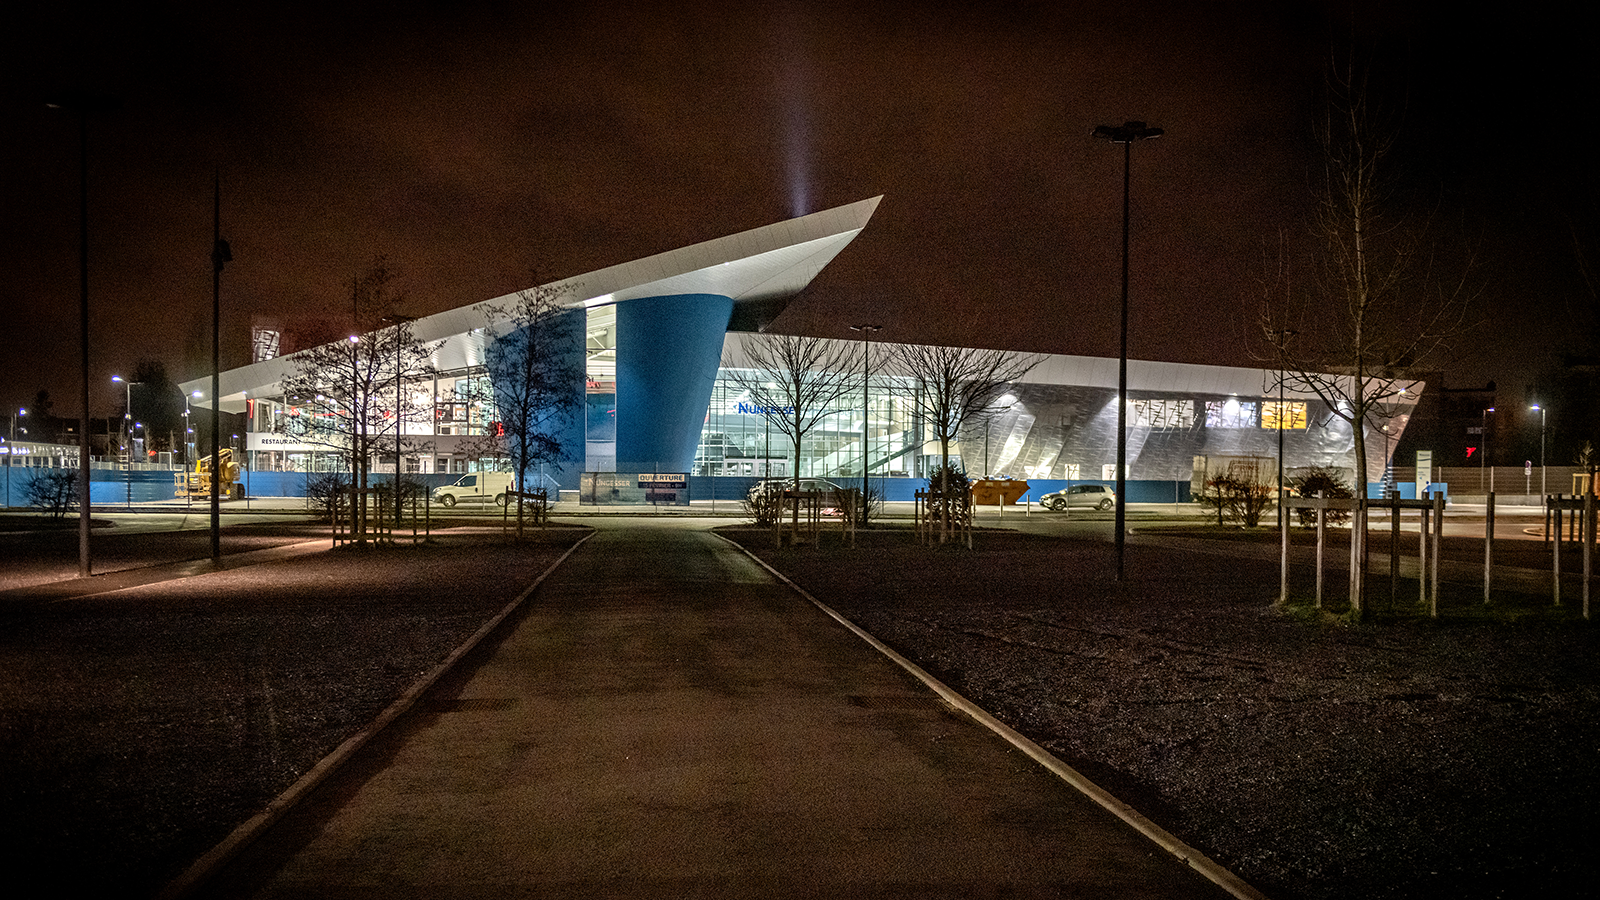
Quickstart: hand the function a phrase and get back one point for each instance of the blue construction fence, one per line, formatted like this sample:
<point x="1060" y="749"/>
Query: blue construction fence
<point x="110" y="486"/>
<point x="722" y="487"/>
<point x="705" y="487"/>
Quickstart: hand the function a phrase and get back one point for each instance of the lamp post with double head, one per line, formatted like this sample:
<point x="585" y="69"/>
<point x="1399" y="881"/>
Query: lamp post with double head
<point x="127" y="434"/>
<point x="1124" y="134"/>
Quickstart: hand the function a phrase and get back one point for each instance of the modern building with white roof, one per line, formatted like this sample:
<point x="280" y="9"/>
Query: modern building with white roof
<point x="657" y="398"/>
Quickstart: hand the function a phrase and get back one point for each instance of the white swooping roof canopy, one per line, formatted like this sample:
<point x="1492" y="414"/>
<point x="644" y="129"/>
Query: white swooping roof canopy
<point x="773" y="262"/>
<point x="1145" y="376"/>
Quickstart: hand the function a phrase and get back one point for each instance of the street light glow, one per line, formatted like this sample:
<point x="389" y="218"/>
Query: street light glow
<point x="1124" y="134"/>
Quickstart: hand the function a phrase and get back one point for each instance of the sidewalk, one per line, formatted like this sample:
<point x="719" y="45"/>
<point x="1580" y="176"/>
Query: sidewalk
<point x="666" y="720"/>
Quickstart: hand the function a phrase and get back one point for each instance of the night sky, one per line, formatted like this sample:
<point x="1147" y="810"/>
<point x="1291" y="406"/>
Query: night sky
<point x="474" y="143"/>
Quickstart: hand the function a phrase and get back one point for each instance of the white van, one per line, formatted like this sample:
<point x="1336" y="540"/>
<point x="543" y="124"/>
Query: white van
<point x="479" y="487"/>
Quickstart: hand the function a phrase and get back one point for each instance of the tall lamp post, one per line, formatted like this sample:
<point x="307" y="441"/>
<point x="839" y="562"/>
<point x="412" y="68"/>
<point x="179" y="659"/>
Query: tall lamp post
<point x="221" y="254"/>
<point x="127" y="418"/>
<point x="866" y="410"/>
<point x="188" y="445"/>
<point x="1543" y="487"/>
<point x="1124" y="134"/>
<point x="10" y="451"/>
<point x="1483" y="451"/>
<point x="83" y="104"/>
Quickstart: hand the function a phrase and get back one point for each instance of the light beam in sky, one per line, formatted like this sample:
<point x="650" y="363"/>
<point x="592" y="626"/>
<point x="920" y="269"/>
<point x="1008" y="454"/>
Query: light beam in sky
<point x="793" y="88"/>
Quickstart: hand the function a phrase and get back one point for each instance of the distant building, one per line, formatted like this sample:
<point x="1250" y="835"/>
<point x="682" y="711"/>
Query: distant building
<point x="656" y="398"/>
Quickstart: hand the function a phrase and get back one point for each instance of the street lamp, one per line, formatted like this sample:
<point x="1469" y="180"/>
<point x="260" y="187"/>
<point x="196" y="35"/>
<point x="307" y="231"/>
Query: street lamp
<point x="83" y="104"/>
<point x="11" y="450"/>
<point x="221" y="254"/>
<point x="1543" y="487"/>
<point x="1124" y="134"/>
<point x="1483" y="451"/>
<point x="188" y="446"/>
<point x="866" y="409"/>
<point x="127" y="417"/>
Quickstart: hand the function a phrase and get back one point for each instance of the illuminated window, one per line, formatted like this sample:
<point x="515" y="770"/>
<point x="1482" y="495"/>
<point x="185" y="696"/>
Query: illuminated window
<point x="1293" y="415"/>
<point x="1230" y="413"/>
<point x="1167" y="415"/>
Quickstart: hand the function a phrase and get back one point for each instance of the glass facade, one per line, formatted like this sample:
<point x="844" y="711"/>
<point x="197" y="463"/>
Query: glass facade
<point x="1039" y="430"/>
<point x="1036" y="431"/>
<point x="445" y="405"/>
<point x="739" y="439"/>
<point x="600" y="392"/>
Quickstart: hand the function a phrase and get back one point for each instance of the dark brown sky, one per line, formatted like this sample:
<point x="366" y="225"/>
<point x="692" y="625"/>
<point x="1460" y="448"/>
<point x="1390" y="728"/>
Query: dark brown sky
<point x="470" y="142"/>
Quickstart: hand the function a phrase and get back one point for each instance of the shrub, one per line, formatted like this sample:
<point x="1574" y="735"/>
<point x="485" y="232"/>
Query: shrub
<point x="955" y="506"/>
<point x="54" y="491"/>
<point x="763" y="506"/>
<point x="1239" y="498"/>
<point x="1318" y="478"/>
<point x="328" y="493"/>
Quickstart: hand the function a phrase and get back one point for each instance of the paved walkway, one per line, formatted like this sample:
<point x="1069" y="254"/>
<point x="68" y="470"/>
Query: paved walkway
<point x="665" y="720"/>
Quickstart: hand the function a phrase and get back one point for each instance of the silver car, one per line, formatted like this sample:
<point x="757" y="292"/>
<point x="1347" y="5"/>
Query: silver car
<point x="771" y="485"/>
<point x="1089" y="496"/>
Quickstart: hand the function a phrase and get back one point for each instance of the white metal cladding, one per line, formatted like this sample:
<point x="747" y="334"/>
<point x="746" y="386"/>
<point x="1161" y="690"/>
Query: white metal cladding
<point x="772" y="262"/>
<point x="1093" y="371"/>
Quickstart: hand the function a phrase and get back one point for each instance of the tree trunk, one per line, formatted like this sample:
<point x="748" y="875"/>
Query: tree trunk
<point x="1358" y="518"/>
<point x="944" y="488"/>
<point x="794" y="535"/>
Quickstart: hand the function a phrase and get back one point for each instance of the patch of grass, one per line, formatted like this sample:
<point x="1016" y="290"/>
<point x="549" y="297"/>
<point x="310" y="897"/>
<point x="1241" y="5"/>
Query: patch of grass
<point x="1305" y="611"/>
<point x="30" y="522"/>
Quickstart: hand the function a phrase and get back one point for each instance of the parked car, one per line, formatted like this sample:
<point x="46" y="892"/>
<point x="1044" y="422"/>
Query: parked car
<point x="1091" y="496"/>
<point x="784" y="484"/>
<point x="479" y="487"/>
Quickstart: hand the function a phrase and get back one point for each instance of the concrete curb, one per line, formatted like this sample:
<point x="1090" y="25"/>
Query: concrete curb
<point x="1186" y="854"/>
<point x="217" y="857"/>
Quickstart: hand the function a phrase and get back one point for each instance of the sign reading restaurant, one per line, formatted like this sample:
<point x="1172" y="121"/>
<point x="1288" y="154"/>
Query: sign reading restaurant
<point x="259" y="440"/>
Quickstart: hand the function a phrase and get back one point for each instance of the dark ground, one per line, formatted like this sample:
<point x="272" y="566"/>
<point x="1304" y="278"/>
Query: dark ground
<point x="1407" y="758"/>
<point x="138" y="728"/>
<point x="50" y="553"/>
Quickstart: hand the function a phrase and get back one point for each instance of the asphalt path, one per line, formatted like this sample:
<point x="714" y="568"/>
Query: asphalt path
<point x="665" y="719"/>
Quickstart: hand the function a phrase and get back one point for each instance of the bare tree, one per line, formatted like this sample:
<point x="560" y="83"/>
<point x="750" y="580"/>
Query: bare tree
<point x="54" y="491"/>
<point x="1374" y="312"/>
<point x="343" y="394"/>
<point x="954" y="388"/>
<point x="796" y="382"/>
<point x="536" y="368"/>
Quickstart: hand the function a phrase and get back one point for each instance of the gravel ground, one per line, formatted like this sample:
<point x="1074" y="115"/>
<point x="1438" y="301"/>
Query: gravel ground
<point x="138" y="728"/>
<point x="30" y="557"/>
<point x="1403" y="759"/>
<point x="1408" y="758"/>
